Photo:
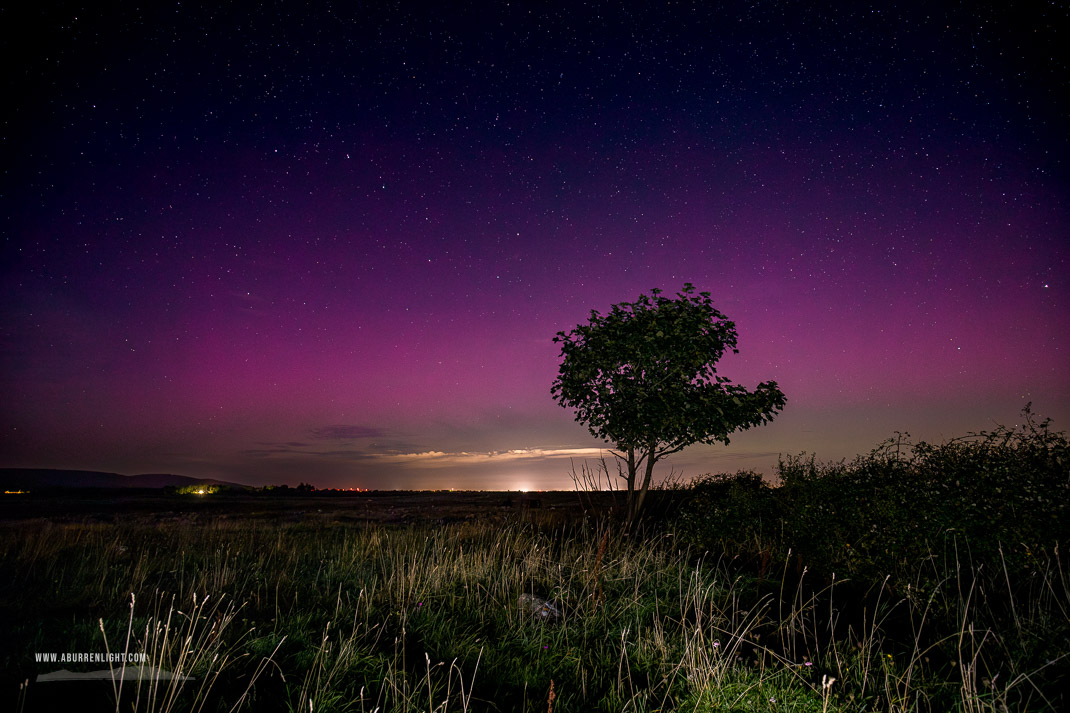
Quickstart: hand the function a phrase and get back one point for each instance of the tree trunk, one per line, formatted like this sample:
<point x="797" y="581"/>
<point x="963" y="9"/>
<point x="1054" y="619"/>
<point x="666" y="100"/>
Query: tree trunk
<point x="631" y="484"/>
<point x="647" y="476"/>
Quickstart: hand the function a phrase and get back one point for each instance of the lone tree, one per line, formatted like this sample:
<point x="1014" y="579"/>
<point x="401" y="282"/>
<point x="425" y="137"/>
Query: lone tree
<point x="643" y="378"/>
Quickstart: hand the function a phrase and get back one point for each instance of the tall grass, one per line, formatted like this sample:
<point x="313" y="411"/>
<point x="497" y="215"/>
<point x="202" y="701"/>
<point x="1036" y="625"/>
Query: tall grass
<point x="176" y="649"/>
<point x="744" y="604"/>
<point x="937" y="567"/>
<point x="414" y="619"/>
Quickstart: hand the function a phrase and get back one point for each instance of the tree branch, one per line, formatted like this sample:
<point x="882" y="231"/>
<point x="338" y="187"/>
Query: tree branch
<point x="670" y="451"/>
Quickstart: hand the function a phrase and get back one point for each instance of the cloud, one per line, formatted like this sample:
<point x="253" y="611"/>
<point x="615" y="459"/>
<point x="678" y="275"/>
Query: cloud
<point x="350" y="454"/>
<point x="438" y="459"/>
<point x="394" y="447"/>
<point x="744" y="455"/>
<point x="343" y="432"/>
<point x="270" y="450"/>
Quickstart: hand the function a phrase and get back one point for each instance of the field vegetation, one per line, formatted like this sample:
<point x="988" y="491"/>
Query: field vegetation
<point x="916" y="578"/>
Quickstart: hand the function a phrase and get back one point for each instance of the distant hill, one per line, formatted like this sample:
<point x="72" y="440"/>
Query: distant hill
<point x="31" y="478"/>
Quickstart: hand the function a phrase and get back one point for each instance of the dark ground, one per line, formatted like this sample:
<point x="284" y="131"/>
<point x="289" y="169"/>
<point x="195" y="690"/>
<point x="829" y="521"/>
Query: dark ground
<point x="379" y="507"/>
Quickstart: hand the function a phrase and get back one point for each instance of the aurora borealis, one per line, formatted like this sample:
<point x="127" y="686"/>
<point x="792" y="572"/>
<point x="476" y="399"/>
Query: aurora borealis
<point x="332" y="243"/>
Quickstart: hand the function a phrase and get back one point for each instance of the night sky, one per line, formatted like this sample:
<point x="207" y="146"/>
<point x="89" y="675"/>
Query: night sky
<point x="333" y="244"/>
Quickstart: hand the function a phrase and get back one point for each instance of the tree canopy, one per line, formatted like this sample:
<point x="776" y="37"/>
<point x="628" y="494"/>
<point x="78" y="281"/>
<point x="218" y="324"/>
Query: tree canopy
<point x="643" y="378"/>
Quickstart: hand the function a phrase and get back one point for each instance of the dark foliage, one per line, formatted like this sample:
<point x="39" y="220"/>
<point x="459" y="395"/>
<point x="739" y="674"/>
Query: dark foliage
<point x="644" y="378"/>
<point x="961" y="530"/>
<point x="1001" y="497"/>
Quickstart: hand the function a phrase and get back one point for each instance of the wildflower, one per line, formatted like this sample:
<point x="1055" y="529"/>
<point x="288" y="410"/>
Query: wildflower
<point x="716" y="644"/>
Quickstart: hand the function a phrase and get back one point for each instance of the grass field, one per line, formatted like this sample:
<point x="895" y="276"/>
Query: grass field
<point x="318" y="609"/>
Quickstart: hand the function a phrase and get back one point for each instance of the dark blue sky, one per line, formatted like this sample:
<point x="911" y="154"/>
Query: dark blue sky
<point x="280" y="243"/>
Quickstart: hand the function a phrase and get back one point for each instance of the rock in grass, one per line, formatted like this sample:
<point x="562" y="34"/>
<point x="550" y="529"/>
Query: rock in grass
<point x="539" y="608"/>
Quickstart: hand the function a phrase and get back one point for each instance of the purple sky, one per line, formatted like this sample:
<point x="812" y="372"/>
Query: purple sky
<point x="290" y="244"/>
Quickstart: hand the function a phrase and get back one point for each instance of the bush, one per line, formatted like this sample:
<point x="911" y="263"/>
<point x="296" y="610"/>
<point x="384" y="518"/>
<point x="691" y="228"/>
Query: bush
<point x="999" y="497"/>
<point x="732" y="511"/>
<point x="952" y="547"/>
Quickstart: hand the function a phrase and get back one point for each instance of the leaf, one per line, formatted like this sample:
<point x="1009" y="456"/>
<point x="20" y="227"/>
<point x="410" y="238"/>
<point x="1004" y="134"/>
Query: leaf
<point x="645" y="374"/>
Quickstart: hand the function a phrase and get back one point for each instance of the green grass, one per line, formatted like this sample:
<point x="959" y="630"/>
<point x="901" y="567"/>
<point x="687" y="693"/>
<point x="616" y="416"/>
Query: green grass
<point x="418" y="619"/>
<point x="749" y="599"/>
<point x="941" y="563"/>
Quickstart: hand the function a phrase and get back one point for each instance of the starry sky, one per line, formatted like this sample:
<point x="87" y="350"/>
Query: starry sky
<point x="332" y="242"/>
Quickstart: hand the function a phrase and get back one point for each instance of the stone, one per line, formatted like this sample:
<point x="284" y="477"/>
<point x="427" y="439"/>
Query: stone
<point x="541" y="609"/>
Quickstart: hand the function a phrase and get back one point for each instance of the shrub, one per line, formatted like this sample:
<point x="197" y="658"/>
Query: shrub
<point x="999" y="497"/>
<point x="732" y="511"/>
